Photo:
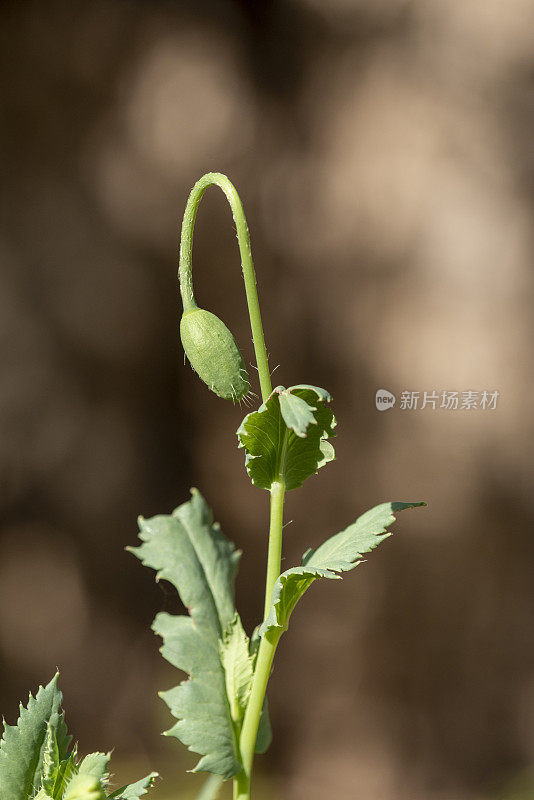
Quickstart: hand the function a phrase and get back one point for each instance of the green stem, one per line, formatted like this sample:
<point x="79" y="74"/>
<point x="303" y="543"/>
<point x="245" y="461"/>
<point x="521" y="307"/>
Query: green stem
<point x="241" y="786"/>
<point x="274" y="557"/>
<point x="249" y="276"/>
<point x="249" y="732"/>
<point x="266" y="650"/>
<point x="269" y="642"/>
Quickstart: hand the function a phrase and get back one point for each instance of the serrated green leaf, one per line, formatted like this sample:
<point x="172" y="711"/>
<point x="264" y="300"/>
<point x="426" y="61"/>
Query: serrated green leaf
<point x="188" y="550"/>
<point x="133" y="791"/>
<point x="238" y="667"/>
<point x="340" y="553"/>
<point x="35" y="763"/>
<point x="51" y="761"/>
<point x="23" y="745"/>
<point x="96" y="764"/>
<point x="296" y="412"/>
<point x="63" y="738"/>
<point x="286" y="439"/>
<point x="58" y="766"/>
<point x="67" y="769"/>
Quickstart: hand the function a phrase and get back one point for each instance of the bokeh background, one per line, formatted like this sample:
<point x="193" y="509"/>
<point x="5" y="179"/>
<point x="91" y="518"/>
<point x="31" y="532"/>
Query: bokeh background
<point x="383" y="151"/>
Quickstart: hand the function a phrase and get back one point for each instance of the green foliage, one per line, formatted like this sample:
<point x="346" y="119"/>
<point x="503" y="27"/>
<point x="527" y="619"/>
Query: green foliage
<point x="96" y="764"/>
<point x="59" y="766"/>
<point x="238" y="657"/>
<point x="285" y="440"/>
<point x="38" y="763"/>
<point x="238" y="665"/>
<point x="221" y="710"/>
<point x="188" y="549"/>
<point x="23" y="746"/>
<point x="339" y="553"/>
<point x="84" y="787"/>
<point x="134" y="791"/>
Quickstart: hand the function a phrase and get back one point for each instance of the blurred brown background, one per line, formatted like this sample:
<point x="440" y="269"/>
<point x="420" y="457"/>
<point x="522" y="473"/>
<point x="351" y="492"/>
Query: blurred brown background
<point x="383" y="151"/>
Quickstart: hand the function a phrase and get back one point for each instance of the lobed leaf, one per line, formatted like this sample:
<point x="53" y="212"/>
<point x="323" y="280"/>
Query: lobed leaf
<point x="35" y="762"/>
<point x="23" y="746"/>
<point x="286" y="438"/>
<point x="187" y="549"/>
<point x="133" y="791"/>
<point x="340" y="553"/>
<point x="96" y="764"/>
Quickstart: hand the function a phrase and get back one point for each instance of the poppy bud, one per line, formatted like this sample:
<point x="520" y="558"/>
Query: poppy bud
<point x="213" y="354"/>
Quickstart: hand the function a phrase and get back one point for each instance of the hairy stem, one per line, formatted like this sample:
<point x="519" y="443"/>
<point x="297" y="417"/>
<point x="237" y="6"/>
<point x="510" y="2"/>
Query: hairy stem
<point x="249" y="276"/>
<point x="269" y="642"/>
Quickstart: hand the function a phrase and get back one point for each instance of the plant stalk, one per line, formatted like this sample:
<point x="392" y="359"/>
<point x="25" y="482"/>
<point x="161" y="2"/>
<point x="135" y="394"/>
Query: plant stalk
<point x="249" y="732"/>
<point x="269" y="642"/>
<point x="247" y="265"/>
<point x="274" y="557"/>
<point x="266" y="650"/>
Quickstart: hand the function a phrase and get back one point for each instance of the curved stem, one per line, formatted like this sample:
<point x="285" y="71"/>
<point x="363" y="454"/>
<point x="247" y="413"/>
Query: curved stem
<point x="269" y="642"/>
<point x="249" y="276"/>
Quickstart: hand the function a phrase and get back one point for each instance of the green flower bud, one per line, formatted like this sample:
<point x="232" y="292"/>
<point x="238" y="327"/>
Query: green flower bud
<point x="213" y="354"/>
<point x="84" y="787"/>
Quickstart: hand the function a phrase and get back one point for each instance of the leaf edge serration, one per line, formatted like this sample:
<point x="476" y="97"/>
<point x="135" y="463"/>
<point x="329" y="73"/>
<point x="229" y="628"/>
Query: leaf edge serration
<point x="272" y="460"/>
<point x="222" y="760"/>
<point x="308" y="572"/>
